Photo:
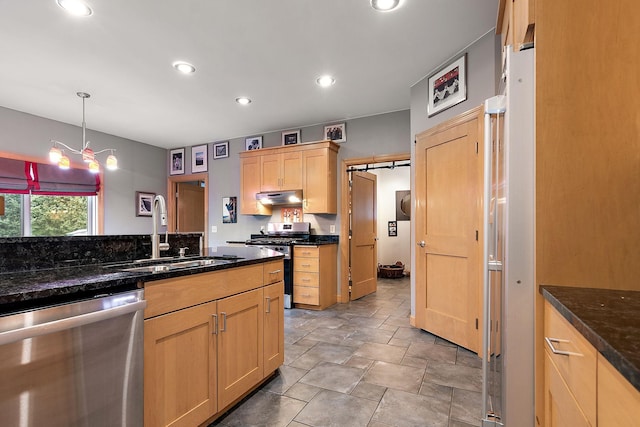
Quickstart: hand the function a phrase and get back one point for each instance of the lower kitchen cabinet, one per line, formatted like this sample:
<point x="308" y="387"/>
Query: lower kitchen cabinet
<point x="315" y="275"/>
<point x="273" y="327"/>
<point x="180" y="367"/>
<point x="201" y="359"/>
<point x="618" y="400"/>
<point x="240" y="346"/>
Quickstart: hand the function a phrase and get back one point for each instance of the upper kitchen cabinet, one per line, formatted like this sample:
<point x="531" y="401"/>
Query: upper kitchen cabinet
<point x="311" y="166"/>
<point x="250" y="170"/>
<point x="281" y="171"/>
<point x="516" y="22"/>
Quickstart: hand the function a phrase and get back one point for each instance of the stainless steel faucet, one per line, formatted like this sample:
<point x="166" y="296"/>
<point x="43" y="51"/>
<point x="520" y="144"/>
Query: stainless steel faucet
<point x="159" y="207"/>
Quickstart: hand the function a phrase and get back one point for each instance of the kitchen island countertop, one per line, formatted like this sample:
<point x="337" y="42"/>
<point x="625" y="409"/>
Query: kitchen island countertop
<point x="23" y="290"/>
<point x="609" y="319"/>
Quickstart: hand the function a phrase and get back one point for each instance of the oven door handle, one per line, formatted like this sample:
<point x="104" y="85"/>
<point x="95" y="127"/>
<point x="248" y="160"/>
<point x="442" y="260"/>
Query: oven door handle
<point x="68" y="323"/>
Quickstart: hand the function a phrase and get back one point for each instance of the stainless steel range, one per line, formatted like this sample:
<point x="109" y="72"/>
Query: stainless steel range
<point x="281" y="236"/>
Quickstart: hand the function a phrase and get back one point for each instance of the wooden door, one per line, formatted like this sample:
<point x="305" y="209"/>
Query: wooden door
<point x="190" y="202"/>
<point x="364" y="251"/>
<point x="273" y="327"/>
<point x="448" y="216"/>
<point x="180" y="367"/>
<point x="240" y="345"/>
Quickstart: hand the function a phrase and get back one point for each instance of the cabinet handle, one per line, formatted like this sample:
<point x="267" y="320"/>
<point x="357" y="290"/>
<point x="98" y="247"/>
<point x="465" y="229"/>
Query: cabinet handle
<point x="224" y="321"/>
<point x="306" y="280"/>
<point x="306" y="253"/>
<point x="268" y="305"/>
<point x="554" y="350"/>
<point x="215" y="324"/>
<point x="306" y="265"/>
<point x="275" y="271"/>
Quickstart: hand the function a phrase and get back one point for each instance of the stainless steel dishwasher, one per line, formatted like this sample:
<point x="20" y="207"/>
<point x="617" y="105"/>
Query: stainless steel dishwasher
<point x="75" y="364"/>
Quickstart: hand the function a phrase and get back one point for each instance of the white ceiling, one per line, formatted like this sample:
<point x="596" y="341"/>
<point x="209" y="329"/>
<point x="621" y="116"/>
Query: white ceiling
<point x="271" y="51"/>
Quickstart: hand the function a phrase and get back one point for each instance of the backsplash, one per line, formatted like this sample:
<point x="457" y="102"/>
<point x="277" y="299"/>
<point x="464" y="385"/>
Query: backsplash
<point x="35" y="253"/>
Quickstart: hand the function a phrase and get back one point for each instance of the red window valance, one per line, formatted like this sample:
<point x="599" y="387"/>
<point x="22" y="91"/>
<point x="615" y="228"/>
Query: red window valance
<point x="23" y="177"/>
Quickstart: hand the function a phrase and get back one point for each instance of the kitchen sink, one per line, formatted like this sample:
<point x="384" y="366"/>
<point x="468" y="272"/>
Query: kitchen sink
<point x="175" y="265"/>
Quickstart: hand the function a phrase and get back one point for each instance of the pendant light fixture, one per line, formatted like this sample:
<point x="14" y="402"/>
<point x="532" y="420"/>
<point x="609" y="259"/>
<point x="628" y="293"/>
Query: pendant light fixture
<point x="57" y="155"/>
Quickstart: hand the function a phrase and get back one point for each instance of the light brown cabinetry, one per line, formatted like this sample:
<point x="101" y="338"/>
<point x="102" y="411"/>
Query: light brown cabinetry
<point x="516" y="22"/>
<point x="281" y="171"/>
<point x="311" y="167"/>
<point x="315" y="276"/>
<point x="570" y="373"/>
<point x="581" y="388"/>
<point x="320" y="169"/>
<point x="208" y="340"/>
<point x="618" y="400"/>
<point x="250" y="172"/>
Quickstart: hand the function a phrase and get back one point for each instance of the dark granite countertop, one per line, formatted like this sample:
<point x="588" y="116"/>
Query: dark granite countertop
<point x="31" y="289"/>
<point x="608" y="319"/>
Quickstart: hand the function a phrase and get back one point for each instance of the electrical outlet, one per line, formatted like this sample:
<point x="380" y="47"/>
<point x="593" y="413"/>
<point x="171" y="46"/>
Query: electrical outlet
<point x="332" y="228"/>
<point x="214" y="229"/>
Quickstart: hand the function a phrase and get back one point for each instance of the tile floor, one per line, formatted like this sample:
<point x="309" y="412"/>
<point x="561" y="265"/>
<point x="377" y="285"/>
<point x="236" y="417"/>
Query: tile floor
<point x="362" y="365"/>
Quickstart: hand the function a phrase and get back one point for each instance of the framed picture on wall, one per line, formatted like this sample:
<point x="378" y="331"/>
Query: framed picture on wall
<point x="229" y="214"/>
<point x="199" y="158"/>
<point x="177" y="161"/>
<point x="144" y="203"/>
<point x="336" y="133"/>
<point x="253" y="143"/>
<point x="291" y="137"/>
<point x="447" y="86"/>
<point x="221" y="150"/>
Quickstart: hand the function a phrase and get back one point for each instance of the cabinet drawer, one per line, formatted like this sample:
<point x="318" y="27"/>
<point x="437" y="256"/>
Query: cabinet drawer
<point x="561" y="407"/>
<point x="306" y="252"/>
<point x="306" y="264"/>
<point x="273" y="272"/>
<point x="306" y="295"/>
<point x="302" y="278"/>
<point x="579" y="363"/>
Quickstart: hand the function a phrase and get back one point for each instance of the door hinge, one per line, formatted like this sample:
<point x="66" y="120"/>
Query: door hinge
<point x="476" y="147"/>
<point x="476" y="323"/>
<point x="476" y="235"/>
<point x="177" y="194"/>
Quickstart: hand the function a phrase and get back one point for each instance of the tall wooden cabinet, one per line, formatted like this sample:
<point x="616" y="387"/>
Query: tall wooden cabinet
<point x="208" y="340"/>
<point x="311" y="166"/>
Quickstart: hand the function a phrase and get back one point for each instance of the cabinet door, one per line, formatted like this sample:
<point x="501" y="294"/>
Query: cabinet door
<point x="180" y="367"/>
<point x="270" y="172"/>
<point x="240" y="345"/>
<point x="561" y="408"/>
<point x="249" y="186"/>
<point x="618" y="400"/>
<point x="319" y="182"/>
<point x="291" y="175"/>
<point x="273" y="327"/>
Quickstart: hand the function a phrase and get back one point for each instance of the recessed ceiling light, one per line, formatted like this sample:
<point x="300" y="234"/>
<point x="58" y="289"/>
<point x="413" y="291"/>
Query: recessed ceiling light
<point x="75" y="7"/>
<point x="184" y="67"/>
<point x="385" y="5"/>
<point x="325" y="81"/>
<point x="243" y="100"/>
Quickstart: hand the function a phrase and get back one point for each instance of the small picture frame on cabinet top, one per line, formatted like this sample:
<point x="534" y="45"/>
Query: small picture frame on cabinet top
<point x="253" y="143"/>
<point x="336" y="133"/>
<point x="291" y="137"/>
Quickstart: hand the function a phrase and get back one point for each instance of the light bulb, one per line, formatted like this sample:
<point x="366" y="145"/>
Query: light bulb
<point x="87" y="155"/>
<point x="64" y="162"/>
<point x="55" y="154"/>
<point x="94" y="167"/>
<point x="112" y="162"/>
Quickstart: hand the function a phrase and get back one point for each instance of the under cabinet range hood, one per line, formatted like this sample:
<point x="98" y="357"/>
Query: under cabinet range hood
<point x="289" y="197"/>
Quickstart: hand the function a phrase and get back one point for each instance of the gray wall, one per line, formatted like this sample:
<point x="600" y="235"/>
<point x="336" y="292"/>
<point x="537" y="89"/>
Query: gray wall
<point x="141" y="166"/>
<point x="381" y="134"/>
<point x="482" y="76"/>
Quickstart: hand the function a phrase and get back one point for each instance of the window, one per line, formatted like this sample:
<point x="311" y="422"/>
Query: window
<point x="42" y="200"/>
<point x="35" y="215"/>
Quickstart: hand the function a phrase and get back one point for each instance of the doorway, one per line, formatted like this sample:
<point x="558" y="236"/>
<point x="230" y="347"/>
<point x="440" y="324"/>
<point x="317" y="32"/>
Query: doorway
<point x="188" y="204"/>
<point x="345" y="201"/>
